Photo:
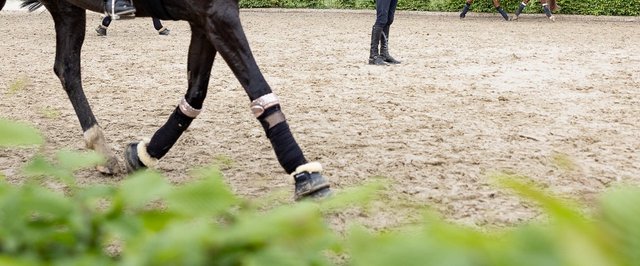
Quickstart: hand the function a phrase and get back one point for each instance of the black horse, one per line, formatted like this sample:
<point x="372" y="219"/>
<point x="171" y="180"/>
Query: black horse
<point x="215" y="28"/>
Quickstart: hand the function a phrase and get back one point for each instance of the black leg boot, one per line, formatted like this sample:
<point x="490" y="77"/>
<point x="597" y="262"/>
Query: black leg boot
<point x="384" y="47"/>
<point x="465" y="9"/>
<point x="118" y="7"/>
<point x="519" y="11"/>
<point x="102" y="28"/>
<point x="504" y="14"/>
<point x="374" y="55"/>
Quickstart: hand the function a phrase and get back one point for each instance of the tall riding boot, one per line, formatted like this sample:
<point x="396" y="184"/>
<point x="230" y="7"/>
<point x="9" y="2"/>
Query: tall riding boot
<point x="384" y="47"/>
<point x="374" y="55"/>
<point x="118" y="7"/>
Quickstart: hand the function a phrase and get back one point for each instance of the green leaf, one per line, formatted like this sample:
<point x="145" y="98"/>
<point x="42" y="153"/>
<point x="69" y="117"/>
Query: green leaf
<point x="620" y="221"/>
<point x="77" y="160"/>
<point x="18" y="134"/>
<point x="42" y="200"/>
<point x="141" y="188"/>
<point x="206" y="196"/>
<point x="17" y="261"/>
<point x="39" y="166"/>
<point x="555" y="207"/>
<point x="353" y="196"/>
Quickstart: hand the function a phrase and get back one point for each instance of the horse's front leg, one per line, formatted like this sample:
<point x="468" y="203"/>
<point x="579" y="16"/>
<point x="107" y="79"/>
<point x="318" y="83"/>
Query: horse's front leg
<point x="496" y="3"/>
<point x="226" y="34"/>
<point x="70" y="24"/>
<point x="200" y="60"/>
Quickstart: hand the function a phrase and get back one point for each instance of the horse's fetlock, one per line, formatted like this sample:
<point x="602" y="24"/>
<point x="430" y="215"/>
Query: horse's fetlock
<point x="93" y="136"/>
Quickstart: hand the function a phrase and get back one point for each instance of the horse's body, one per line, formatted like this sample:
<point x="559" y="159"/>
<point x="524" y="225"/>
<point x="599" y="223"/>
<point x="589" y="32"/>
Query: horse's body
<point x="548" y="6"/>
<point x="216" y="28"/>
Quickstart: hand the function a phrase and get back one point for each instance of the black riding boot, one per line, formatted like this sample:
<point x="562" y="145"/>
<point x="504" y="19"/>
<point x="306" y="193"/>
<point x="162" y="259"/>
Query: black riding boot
<point x="119" y="7"/>
<point x="384" y="47"/>
<point x="374" y="55"/>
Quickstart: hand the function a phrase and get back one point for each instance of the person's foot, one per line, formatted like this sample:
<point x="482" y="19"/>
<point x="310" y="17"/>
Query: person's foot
<point x="390" y="60"/>
<point x="119" y="7"/>
<point x="377" y="60"/>
<point x="101" y="30"/>
<point x="164" y="31"/>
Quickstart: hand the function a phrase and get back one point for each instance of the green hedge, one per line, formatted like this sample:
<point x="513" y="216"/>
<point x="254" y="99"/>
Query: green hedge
<point x="574" y="7"/>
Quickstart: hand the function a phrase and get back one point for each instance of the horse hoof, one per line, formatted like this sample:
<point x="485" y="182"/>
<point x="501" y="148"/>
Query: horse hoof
<point x="311" y="186"/>
<point x="319" y="194"/>
<point x="131" y="158"/>
<point x="552" y="18"/>
<point x="164" y="31"/>
<point x="111" y="167"/>
<point x="377" y="60"/>
<point x="101" y="31"/>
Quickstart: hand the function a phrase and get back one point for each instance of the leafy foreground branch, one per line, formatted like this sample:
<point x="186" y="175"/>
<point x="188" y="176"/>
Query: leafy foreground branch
<point x="144" y="220"/>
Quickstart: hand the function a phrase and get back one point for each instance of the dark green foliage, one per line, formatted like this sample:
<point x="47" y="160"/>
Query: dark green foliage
<point x="354" y="4"/>
<point x="574" y="7"/>
<point x="601" y="7"/>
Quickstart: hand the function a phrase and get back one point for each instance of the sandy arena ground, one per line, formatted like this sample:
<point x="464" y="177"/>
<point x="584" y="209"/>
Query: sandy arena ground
<point x="470" y="99"/>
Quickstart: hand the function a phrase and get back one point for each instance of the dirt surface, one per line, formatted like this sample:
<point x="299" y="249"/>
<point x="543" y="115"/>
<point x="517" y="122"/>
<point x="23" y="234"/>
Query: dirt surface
<point x="471" y="98"/>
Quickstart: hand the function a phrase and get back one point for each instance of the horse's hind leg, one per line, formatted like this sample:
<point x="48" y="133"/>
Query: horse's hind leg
<point x="70" y="23"/>
<point x="227" y="35"/>
<point x="496" y="3"/>
<point x="547" y="9"/>
<point x="201" y="55"/>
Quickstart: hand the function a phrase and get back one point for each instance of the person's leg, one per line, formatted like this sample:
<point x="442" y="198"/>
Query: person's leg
<point x="496" y="3"/>
<point x="102" y="28"/>
<point x="158" y="26"/>
<point x="384" y="41"/>
<point x="465" y="9"/>
<point x="382" y="17"/>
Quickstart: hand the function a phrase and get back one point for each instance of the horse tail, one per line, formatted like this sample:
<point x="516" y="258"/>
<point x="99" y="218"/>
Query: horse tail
<point x="32" y="4"/>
